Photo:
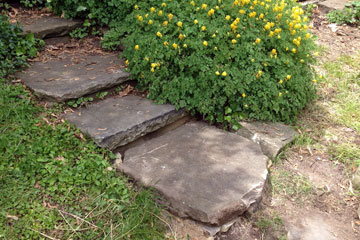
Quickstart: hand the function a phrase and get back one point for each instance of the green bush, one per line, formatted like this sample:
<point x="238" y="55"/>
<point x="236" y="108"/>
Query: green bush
<point x="227" y="60"/>
<point x="33" y="3"/>
<point x="349" y="15"/>
<point x="14" y="48"/>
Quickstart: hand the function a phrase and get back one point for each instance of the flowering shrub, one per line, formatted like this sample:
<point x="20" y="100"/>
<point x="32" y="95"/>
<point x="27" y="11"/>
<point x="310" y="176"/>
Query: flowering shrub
<point x="224" y="59"/>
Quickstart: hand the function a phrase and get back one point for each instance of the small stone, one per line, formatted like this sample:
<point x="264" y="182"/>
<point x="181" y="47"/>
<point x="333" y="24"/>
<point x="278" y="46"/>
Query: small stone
<point x="356" y="179"/>
<point x="109" y="169"/>
<point x="204" y="173"/>
<point x="272" y="137"/>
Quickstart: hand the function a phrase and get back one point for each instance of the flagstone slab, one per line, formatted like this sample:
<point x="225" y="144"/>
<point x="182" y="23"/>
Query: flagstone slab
<point x="117" y="121"/>
<point x="272" y="137"/>
<point x="46" y="27"/>
<point x="70" y="76"/>
<point x="330" y="5"/>
<point x="204" y="173"/>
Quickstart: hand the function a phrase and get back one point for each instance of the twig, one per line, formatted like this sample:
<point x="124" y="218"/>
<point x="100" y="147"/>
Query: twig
<point x="43" y="234"/>
<point x="68" y="224"/>
<point x="172" y="231"/>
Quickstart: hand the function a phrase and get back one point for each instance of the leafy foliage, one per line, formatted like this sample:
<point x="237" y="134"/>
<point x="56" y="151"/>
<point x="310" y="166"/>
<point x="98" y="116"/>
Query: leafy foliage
<point x="14" y="48"/>
<point x="47" y="172"/>
<point x="33" y="3"/>
<point x="349" y="15"/>
<point x="224" y="59"/>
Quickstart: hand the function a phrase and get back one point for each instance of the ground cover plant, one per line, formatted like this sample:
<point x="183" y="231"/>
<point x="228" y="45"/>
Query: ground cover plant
<point x="349" y="15"/>
<point x="226" y="60"/>
<point x="54" y="183"/>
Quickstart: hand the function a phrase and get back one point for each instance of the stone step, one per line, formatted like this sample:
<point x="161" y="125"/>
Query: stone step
<point x="204" y="173"/>
<point x="117" y="121"/>
<point x="46" y="27"/>
<point x="272" y="137"/>
<point x="330" y="5"/>
<point x="73" y="76"/>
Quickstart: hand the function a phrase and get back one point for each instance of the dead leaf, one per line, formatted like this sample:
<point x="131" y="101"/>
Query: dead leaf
<point x="126" y="91"/>
<point x="12" y="217"/>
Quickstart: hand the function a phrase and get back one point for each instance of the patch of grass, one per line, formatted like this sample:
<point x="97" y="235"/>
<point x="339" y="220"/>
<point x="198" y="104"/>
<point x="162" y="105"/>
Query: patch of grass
<point x="346" y="153"/>
<point x="291" y="185"/>
<point x="54" y="183"/>
<point x="271" y="225"/>
<point x="344" y="74"/>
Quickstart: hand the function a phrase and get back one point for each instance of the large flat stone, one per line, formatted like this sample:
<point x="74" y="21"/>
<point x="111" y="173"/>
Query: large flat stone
<point x="205" y="173"/>
<point x="330" y="5"/>
<point x="71" y="76"/>
<point x="115" y="122"/>
<point x="46" y="27"/>
<point x="272" y="137"/>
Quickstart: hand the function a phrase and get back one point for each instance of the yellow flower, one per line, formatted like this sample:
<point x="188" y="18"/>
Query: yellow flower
<point x="274" y="51"/>
<point x="153" y="65"/>
<point x="205" y="43"/>
<point x="307" y="35"/>
<point x="217" y="73"/>
<point x="288" y="77"/>
<point x="293" y="50"/>
<point x="152" y="9"/>
<point x="146" y="15"/>
<point x="179" y="24"/>
<point x="215" y="48"/>
<point x="281" y="81"/>
<point x="253" y="14"/>
<point x="170" y="16"/>
<point x="136" y="47"/>
<point x="165" y="23"/>
<point x="241" y="11"/>
<point x="136" y="7"/>
<point x="258" y="40"/>
<point x="203" y="6"/>
<point x="316" y="54"/>
<point x="243" y="95"/>
<point x="214" y="35"/>
<point x="150" y="22"/>
<point x="163" y="4"/>
<point x="203" y="28"/>
<point x="192" y="3"/>
<point x="293" y="32"/>
<point x="233" y="41"/>
<point x="185" y="45"/>
<point x="261" y="16"/>
<point x="146" y="59"/>
<point x="196" y="21"/>
<point x="280" y="94"/>
<point x="152" y="70"/>
<point x="175" y="45"/>
<point x="127" y="62"/>
<point x="217" y="8"/>
<point x="252" y="60"/>
<point x="160" y="13"/>
<point x="238" y="36"/>
<point x="287" y="49"/>
<point x="140" y="18"/>
<point x="227" y="17"/>
<point x="211" y="12"/>
<point x="224" y="74"/>
<point x="302" y="60"/>
<point x="181" y="36"/>
<point x="315" y="81"/>
<point x="159" y="34"/>
<point x="166" y="43"/>
<point x="271" y="34"/>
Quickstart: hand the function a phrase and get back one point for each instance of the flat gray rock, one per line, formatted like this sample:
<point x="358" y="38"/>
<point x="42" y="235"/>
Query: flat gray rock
<point x="117" y="121"/>
<point x="46" y="27"/>
<point x="272" y="137"/>
<point x="330" y="5"/>
<point x="70" y="76"/>
<point x="205" y="173"/>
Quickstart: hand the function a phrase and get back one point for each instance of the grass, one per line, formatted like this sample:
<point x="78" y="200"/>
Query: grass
<point x="56" y="184"/>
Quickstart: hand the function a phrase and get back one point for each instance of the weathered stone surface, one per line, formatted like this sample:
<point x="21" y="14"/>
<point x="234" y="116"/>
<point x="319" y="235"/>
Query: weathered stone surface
<point x="205" y="173"/>
<point x="330" y="5"/>
<point x="46" y="27"/>
<point x="356" y="179"/>
<point x="117" y="121"/>
<point x="71" y="76"/>
<point x="310" y="228"/>
<point x="272" y="137"/>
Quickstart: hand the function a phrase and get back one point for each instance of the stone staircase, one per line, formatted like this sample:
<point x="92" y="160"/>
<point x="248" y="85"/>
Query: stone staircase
<point x="207" y="174"/>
